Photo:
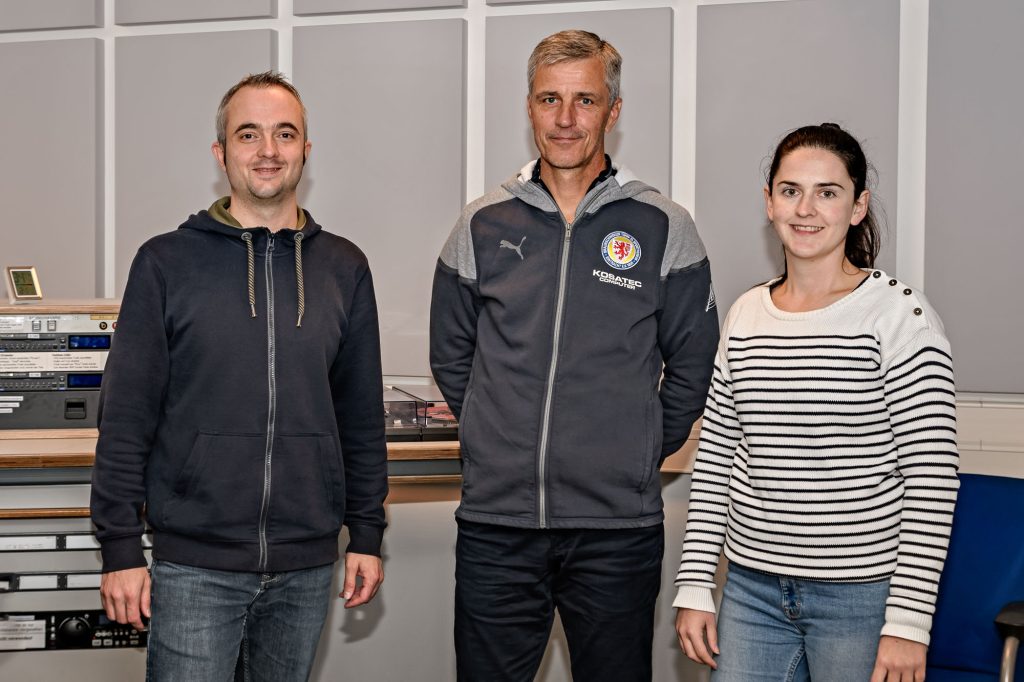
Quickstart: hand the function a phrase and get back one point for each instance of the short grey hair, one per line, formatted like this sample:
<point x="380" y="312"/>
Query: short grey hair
<point x="566" y="46"/>
<point x="266" y="79"/>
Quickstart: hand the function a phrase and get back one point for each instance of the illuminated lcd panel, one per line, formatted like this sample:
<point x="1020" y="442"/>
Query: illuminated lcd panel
<point x="84" y="380"/>
<point x="89" y="341"/>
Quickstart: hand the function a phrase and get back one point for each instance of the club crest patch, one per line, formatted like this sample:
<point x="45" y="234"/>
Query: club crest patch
<point x="620" y="250"/>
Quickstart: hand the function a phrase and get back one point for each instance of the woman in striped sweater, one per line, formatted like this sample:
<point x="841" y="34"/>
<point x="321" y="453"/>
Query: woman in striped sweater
<point x="827" y="466"/>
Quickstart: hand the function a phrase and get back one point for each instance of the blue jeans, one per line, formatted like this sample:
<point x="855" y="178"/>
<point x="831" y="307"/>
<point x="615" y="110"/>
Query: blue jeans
<point x="778" y="629"/>
<point x="205" y="622"/>
<point x="509" y="581"/>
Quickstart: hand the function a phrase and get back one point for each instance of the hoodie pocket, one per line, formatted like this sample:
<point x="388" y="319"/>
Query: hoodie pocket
<point x="217" y="495"/>
<point x="307" y="489"/>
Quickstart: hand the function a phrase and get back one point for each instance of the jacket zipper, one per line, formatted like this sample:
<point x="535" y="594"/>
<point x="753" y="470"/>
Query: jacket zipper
<point x="272" y="406"/>
<point x="542" y="459"/>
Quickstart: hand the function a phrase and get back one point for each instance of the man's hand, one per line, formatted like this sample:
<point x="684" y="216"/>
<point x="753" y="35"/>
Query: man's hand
<point x="367" y="567"/>
<point x="899" y="660"/>
<point x="125" y="595"/>
<point x="692" y="626"/>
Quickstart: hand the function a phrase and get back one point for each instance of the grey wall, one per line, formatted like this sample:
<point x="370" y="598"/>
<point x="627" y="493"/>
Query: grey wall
<point x="386" y="165"/>
<point x="528" y="2"/>
<point x="19" y="15"/>
<point x="974" y="235"/>
<point x="51" y="180"/>
<point x="158" y="11"/>
<point x="165" y="170"/>
<point x="751" y="91"/>
<point x="344" y="6"/>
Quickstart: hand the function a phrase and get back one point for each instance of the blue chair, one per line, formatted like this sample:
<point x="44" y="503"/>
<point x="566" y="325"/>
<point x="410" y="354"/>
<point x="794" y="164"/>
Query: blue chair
<point x="982" y="585"/>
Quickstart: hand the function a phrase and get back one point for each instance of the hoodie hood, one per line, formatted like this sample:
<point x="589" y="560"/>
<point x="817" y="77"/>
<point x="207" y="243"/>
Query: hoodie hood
<point x="218" y="219"/>
<point x="250" y="238"/>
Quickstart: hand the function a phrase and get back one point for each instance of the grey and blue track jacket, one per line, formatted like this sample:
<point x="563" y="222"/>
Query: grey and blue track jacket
<point x="549" y="341"/>
<point x="247" y="439"/>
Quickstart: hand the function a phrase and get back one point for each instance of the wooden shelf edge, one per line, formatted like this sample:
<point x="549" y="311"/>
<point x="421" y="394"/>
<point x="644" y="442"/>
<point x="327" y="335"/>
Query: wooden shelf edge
<point x="46" y="513"/>
<point x="64" y="306"/>
<point x="438" y="478"/>
<point x="47" y="434"/>
<point x="73" y="460"/>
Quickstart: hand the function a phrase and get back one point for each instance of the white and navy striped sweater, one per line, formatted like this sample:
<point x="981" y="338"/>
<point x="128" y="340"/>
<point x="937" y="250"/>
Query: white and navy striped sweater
<point x="828" y="449"/>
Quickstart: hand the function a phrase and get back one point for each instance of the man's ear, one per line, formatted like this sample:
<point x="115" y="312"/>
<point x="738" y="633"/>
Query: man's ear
<point x="218" y="153"/>
<point x="613" y="115"/>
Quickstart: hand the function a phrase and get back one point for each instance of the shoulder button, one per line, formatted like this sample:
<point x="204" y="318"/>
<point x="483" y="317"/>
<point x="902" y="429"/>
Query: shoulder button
<point x="907" y="292"/>
<point x="876" y="273"/>
<point x="892" y="282"/>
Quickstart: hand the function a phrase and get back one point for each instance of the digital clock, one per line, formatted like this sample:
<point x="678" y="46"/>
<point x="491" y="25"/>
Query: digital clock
<point x="23" y="284"/>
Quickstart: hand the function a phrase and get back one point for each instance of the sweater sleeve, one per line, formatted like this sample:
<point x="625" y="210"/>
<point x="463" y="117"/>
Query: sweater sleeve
<point x="708" y="510"/>
<point x="359" y="409"/>
<point x="131" y="399"/>
<point x="454" y="309"/>
<point x="921" y="400"/>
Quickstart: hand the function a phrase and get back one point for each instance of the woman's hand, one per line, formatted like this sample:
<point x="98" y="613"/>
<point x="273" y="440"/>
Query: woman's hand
<point x="697" y="634"/>
<point x="899" y="660"/>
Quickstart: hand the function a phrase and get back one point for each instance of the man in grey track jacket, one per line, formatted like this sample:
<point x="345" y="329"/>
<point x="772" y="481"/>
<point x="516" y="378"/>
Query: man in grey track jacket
<point x="573" y="329"/>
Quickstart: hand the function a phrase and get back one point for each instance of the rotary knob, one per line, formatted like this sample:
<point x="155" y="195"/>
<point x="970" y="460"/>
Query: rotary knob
<point x="74" y="632"/>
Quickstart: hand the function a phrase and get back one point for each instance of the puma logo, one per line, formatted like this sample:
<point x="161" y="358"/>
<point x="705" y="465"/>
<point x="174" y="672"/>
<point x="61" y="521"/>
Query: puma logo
<point x="506" y="244"/>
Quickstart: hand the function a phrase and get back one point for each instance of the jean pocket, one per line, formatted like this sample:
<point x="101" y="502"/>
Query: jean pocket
<point x="307" y="491"/>
<point x="218" y="493"/>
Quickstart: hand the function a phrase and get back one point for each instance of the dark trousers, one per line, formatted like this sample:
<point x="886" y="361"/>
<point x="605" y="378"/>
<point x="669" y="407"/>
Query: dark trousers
<point x="509" y="581"/>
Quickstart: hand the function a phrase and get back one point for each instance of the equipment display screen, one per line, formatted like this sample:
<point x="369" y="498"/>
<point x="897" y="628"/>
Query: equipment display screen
<point x="89" y="341"/>
<point x="84" y="380"/>
<point x="24" y="283"/>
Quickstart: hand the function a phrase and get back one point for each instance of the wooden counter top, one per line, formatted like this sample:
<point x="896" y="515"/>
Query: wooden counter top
<point x="58" y="306"/>
<point x="75" y="448"/>
<point x="59" y="448"/>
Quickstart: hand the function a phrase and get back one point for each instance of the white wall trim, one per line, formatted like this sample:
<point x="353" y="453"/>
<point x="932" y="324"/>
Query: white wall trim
<point x="913" y="140"/>
<point x="109" y="176"/>
<point x="476" y="99"/>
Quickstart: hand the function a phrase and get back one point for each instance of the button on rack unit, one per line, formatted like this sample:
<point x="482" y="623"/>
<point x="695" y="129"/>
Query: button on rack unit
<point x="51" y="364"/>
<point x="42" y="630"/>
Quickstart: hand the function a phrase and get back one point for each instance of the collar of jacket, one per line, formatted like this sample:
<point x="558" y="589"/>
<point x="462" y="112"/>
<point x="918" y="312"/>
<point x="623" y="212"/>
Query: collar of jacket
<point x="204" y="221"/>
<point x="221" y="210"/>
<point x="620" y="185"/>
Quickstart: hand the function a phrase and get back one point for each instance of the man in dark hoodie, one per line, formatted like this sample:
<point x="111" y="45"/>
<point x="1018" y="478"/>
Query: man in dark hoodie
<point x="242" y="415"/>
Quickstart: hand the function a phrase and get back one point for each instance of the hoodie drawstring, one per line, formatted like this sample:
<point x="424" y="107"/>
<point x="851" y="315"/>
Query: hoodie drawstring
<point x="299" y="283"/>
<point x="251" y="257"/>
<point x="299" y="279"/>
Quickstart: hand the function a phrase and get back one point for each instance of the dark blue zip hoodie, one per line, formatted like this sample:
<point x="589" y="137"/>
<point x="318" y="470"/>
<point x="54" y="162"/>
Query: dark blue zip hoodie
<point x="241" y="408"/>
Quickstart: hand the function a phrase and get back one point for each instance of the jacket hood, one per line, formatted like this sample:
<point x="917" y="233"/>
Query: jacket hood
<point x="247" y="237"/>
<point x="203" y="221"/>
<point x="622" y="185"/>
